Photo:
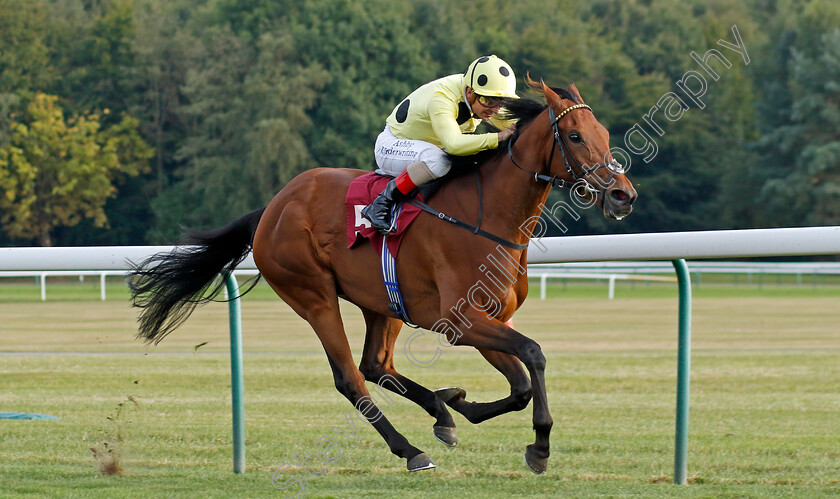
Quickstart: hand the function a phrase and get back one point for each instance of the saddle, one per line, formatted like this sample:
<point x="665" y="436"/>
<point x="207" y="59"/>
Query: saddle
<point x="362" y="192"/>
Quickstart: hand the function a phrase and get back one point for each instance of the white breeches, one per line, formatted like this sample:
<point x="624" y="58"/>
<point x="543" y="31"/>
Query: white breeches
<point x="393" y="155"/>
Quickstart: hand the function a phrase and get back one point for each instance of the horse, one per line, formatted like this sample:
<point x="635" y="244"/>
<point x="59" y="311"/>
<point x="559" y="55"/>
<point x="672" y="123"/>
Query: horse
<point x="299" y="246"/>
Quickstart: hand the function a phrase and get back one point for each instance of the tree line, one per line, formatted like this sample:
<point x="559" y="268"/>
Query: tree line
<point x="123" y="120"/>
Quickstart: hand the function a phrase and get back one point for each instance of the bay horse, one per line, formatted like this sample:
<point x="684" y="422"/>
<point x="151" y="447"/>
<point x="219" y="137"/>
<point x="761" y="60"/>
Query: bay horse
<point x="300" y="248"/>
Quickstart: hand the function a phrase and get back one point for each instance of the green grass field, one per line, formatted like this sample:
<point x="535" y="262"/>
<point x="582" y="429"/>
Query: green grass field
<point x="764" y="406"/>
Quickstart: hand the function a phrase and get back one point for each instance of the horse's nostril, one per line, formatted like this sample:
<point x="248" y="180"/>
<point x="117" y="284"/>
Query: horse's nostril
<point x="619" y="196"/>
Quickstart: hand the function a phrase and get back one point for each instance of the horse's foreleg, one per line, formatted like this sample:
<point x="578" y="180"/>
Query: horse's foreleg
<point x="377" y="366"/>
<point x="476" y="412"/>
<point x="494" y="335"/>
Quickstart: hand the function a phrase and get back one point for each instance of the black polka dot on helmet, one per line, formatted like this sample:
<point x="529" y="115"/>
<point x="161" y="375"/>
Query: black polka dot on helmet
<point x="491" y="77"/>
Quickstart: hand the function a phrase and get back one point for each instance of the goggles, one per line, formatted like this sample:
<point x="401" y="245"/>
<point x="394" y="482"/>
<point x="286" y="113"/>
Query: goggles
<point x="490" y="102"/>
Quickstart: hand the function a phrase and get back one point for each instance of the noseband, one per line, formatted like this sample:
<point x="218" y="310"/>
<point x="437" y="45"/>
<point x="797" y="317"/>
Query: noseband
<point x="560" y="143"/>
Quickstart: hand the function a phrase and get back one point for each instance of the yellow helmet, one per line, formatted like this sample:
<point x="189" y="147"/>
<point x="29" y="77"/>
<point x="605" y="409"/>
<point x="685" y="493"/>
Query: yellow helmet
<point x="488" y="75"/>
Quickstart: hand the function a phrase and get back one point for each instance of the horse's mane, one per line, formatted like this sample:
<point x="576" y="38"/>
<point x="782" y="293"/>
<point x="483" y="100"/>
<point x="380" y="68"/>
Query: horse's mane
<point x="523" y="111"/>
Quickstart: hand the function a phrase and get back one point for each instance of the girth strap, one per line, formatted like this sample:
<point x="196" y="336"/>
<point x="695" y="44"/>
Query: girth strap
<point x="389" y="275"/>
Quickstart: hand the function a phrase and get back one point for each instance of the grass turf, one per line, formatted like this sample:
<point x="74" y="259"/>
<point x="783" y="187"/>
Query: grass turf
<point x="765" y="399"/>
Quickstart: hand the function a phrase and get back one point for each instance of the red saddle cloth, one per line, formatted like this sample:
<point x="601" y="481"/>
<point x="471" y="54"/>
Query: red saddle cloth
<point x="361" y="193"/>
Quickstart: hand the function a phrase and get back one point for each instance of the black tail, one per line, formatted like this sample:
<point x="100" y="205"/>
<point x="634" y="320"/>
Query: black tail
<point x="168" y="286"/>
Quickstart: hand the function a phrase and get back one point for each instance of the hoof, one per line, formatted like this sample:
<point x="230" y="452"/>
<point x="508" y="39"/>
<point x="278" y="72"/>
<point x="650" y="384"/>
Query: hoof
<point x="448" y="435"/>
<point x="420" y="462"/>
<point x="450" y="394"/>
<point x="536" y="463"/>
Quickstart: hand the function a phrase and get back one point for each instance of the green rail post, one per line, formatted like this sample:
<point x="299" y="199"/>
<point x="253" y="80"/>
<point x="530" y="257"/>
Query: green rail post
<point x="683" y="372"/>
<point x="237" y="385"/>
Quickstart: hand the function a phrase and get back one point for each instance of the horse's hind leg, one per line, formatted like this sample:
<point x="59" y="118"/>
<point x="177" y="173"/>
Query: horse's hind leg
<point x="476" y="412"/>
<point x="319" y="307"/>
<point x="377" y="366"/>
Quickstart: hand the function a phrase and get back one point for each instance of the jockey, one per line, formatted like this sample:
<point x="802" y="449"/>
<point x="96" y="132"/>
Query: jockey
<point x="435" y="120"/>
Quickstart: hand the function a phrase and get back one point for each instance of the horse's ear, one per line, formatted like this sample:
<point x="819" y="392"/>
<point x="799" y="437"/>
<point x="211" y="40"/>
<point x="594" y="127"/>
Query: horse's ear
<point x="574" y="91"/>
<point x="536" y="85"/>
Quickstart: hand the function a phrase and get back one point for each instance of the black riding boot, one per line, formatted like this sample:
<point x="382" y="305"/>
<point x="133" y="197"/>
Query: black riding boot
<point x="379" y="211"/>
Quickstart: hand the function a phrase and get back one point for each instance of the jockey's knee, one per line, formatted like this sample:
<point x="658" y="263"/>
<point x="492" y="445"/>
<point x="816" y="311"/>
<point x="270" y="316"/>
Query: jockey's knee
<point x="436" y="161"/>
<point x="420" y="173"/>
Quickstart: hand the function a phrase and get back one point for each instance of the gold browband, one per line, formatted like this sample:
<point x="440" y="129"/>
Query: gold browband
<point x="572" y="108"/>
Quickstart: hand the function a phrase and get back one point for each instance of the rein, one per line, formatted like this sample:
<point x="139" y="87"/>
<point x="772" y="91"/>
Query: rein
<point x="475" y="230"/>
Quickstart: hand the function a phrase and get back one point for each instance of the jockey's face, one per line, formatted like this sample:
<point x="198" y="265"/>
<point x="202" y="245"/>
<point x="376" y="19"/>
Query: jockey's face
<point x="484" y="110"/>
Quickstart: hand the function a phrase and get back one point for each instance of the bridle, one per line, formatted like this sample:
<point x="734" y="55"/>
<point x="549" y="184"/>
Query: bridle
<point x="578" y="176"/>
<point x="559" y="143"/>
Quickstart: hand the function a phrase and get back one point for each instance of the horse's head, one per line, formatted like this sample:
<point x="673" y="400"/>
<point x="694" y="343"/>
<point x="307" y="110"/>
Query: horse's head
<point x="581" y="153"/>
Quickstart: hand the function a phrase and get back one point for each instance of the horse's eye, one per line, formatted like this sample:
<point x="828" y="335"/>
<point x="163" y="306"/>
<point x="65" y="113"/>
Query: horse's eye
<point x="575" y="137"/>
